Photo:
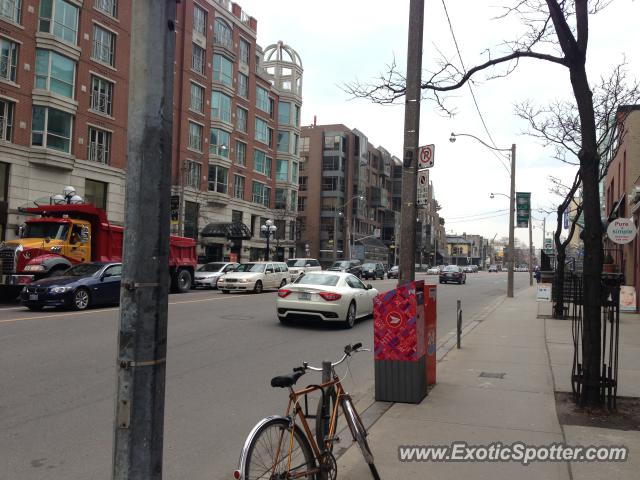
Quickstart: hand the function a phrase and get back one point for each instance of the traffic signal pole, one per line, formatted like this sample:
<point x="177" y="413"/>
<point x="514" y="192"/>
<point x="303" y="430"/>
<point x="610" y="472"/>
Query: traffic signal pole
<point x="142" y="336"/>
<point x="413" y="94"/>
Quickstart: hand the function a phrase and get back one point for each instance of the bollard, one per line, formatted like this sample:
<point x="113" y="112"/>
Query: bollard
<point x="459" y="321"/>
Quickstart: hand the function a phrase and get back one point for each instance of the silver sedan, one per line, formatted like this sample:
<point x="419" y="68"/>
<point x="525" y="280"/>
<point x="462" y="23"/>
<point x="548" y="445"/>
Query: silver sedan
<point x="329" y="296"/>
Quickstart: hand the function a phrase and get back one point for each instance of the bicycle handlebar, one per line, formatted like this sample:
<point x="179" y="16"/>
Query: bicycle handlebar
<point x="348" y="350"/>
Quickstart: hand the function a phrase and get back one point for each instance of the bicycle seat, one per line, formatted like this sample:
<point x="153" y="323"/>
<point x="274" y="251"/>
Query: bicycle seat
<point x="288" y="380"/>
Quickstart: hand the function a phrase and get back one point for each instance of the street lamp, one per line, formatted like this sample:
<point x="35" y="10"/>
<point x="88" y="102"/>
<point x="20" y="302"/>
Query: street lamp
<point x="512" y="199"/>
<point x="267" y="230"/>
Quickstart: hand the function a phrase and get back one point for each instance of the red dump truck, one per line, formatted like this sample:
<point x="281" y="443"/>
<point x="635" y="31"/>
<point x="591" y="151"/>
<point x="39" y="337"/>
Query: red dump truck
<point x="67" y="234"/>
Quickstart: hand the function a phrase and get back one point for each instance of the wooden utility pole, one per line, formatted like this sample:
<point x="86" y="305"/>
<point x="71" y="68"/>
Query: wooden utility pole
<point x="142" y="338"/>
<point x="411" y="136"/>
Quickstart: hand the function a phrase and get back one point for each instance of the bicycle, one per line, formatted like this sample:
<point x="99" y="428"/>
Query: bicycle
<point x="290" y="448"/>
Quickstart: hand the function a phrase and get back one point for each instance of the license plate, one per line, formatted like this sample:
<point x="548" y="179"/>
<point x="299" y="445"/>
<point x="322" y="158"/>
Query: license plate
<point x="33" y="297"/>
<point x="304" y="296"/>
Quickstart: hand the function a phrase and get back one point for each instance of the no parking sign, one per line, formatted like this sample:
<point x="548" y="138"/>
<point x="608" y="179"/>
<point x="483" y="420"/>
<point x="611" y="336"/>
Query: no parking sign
<point x="426" y="156"/>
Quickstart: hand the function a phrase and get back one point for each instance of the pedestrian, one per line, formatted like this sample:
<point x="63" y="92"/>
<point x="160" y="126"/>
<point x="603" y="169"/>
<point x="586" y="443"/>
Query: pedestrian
<point x="537" y="274"/>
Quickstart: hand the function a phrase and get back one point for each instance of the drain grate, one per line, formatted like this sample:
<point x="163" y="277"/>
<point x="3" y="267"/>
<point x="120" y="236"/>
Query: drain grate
<point x="492" y="375"/>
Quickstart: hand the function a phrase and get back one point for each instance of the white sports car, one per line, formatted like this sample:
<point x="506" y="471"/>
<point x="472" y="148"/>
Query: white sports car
<point x="326" y="295"/>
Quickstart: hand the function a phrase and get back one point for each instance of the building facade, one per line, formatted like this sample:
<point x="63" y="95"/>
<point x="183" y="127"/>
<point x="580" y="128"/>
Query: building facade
<point x="345" y="196"/>
<point x="64" y="70"/>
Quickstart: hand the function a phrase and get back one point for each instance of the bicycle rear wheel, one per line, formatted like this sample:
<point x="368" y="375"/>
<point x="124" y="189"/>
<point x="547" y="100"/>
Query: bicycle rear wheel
<point x="268" y="453"/>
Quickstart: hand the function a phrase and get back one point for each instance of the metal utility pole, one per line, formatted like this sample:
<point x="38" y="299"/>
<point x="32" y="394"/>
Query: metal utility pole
<point x="411" y="135"/>
<point x="530" y="251"/>
<point x="142" y="344"/>
<point x="512" y="203"/>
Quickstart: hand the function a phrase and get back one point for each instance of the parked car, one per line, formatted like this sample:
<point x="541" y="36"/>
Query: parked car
<point x="372" y="270"/>
<point x="453" y="273"/>
<point x="433" y="271"/>
<point x="467" y="269"/>
<point x="493" y="268"/>
<point x="207" y="275"/>
<point x="78" y="287"/>
<point x="328" y="295"/>
<point x="255" y="277"/>
<point x="302" y="265"/>
<point x="394" y="272"/>
<point x="348" y="266"/>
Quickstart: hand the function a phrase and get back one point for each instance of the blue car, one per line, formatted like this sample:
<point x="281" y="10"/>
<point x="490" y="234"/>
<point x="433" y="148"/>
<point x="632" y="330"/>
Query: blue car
<point x="78" y="287"/>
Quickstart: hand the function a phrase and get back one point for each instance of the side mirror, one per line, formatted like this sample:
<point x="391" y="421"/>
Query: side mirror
<point x="369" y="286"/>
<point x="47" y="239"/>
<point x="268" y="270"/>
<point x="105" y="275"/>
<point x="307" y="265"/>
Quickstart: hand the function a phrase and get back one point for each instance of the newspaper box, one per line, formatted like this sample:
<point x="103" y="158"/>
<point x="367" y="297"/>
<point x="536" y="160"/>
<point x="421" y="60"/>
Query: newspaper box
<point x="399" y="344"/>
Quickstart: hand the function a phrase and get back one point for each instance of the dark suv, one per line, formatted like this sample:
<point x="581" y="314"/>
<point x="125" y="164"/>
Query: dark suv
<point x="350" y="266"/>
<point x="372" y="270"/>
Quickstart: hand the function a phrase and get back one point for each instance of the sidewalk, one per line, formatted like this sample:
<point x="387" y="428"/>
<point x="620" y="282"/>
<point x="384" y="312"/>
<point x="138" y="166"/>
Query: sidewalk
<point x="521" y="406"/>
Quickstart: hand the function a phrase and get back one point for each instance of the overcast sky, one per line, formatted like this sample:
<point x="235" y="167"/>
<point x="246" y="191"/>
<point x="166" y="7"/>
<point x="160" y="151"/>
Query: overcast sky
<point x="348" y="40"/>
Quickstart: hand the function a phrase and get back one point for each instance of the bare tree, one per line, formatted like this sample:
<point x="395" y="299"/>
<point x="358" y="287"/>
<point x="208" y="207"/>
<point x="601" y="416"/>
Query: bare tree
<point x="555" y="31"/>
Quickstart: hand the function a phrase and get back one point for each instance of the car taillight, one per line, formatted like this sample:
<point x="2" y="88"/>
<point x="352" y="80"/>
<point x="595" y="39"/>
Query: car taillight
<point x="237" y="474"/>
<point x="282" y="293"/>
<point x="330" y="296"/>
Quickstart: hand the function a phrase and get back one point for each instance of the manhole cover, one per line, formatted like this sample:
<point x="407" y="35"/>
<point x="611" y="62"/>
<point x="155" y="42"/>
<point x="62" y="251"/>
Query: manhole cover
<point x="492" y="375"/>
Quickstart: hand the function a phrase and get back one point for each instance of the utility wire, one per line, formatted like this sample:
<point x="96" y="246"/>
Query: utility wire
<point x="481" y="214"/>
<point x="464" y="69"/>
<point x="478" y="219"/>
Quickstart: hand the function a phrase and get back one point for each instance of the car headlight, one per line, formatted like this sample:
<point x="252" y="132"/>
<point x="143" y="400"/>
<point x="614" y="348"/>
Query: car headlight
<point x="34" y="268"/>
<point x="244" y="280"/>
<point x="60" y="289"/>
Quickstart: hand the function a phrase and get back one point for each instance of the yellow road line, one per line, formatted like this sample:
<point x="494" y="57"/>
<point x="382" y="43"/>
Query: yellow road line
<point x="53" y="315"/>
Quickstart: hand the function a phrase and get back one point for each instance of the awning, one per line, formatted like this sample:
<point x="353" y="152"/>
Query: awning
<point x="615" y="211"/>
<point x="230" y="230"/>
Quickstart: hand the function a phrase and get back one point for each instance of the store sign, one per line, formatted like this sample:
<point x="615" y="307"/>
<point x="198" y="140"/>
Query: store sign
<point x="621" y="230"/>
<point x="544" y="292"/>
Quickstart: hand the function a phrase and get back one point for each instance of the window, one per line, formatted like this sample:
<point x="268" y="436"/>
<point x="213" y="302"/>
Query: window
<point x="245" y="49"/>
<point x="260" y="194"/>
<point x="330" y="183"/>
<point x="220" y="107"/>
<point x="294" y="172"/>
<point x="267" y="167"/>
<point x="281" y="199"/>
<point x="60" y="19"/>
<point x="304" y="144"/>
<point x="51" y="128"/>
<point x="11" y="9"/>
<point x="302" y="203"/>
<point x="95" y="193"/>
<point x="283" y="141"/>
<point x="218" y="178"/>
<point x="284" y="113"/>
<point x="191" y="215"/>
<point x="101" y="95"/>
<point x="241" y="119"/>
<point x="296" y="141"/>
<point x="219" y="142"/>
<point x="104" y="43"/>
<point x="222" y="70"/>
<point x="54" y="72"/>
<point x="199" y="20"/>
<point x="110" y="7"/>
<point x="332" y="142"/>
<point x="196" y="103"/>
<point x="195" y="136"/>
<point x="6" y="119"/>
<point x="331" y="163"/>
<point x="297" y="115"/>
<point x="262" y="131"/>
<point x="282" y="170"/>
<point x="243" y="85"/>
<point x="222" y="34"/>
<point x="99" y="146"/>
<point x="197" y="58"/>
<point x="302" y="184"/>
<point x="270" y="137"/>
<point x="294" y="200"/>
<point x="262" y="99"/>
<point x="241" y="153"/>
<point x="238" y="187"/>
<point x="236" y="216"/>
<point x="261" y="163"/>
<point x="192" y="174"/>
<point x="8" y="59"/>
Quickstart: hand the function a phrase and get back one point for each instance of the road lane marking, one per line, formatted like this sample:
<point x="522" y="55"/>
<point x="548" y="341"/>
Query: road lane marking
<point x="67" y="314"/>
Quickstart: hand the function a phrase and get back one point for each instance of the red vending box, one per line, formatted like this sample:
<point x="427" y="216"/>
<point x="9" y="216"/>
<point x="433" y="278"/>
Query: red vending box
<point x="430" y="338"/>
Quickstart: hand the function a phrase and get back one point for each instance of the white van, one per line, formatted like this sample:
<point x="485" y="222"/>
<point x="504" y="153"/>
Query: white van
<point x="255" y="277"/>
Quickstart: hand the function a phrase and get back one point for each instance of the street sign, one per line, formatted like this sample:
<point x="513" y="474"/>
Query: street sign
<point x="548" y="245"/>
<point x="377" y="232"/>
<point x="523" y="209"/>
<point x="426" y="156"/>
<point x="621" y="230"/>
<point x="423" y="188"/>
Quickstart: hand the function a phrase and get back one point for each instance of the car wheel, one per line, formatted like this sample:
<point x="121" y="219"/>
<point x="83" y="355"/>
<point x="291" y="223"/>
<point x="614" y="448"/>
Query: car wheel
<point x="225" y="291"/>
<point x="81" y="299"/>
<point x="257" y="288"/>
<point x="350" y="321"/>
<point x="183" y="281"/>
<point x="284" y="320"/>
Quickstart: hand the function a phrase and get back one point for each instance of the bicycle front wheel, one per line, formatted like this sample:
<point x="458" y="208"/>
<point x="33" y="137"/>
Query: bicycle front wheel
<point x="268" y="453"/>
<point x="358" y="431"/>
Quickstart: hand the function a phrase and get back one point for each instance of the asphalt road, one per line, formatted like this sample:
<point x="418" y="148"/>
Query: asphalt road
<point x="58" y="378"/>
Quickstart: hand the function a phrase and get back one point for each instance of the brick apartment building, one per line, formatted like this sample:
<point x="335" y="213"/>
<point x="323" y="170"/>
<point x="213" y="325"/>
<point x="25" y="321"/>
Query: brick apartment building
<point x="345" y="194"/>
<point x="64" y="69"/>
